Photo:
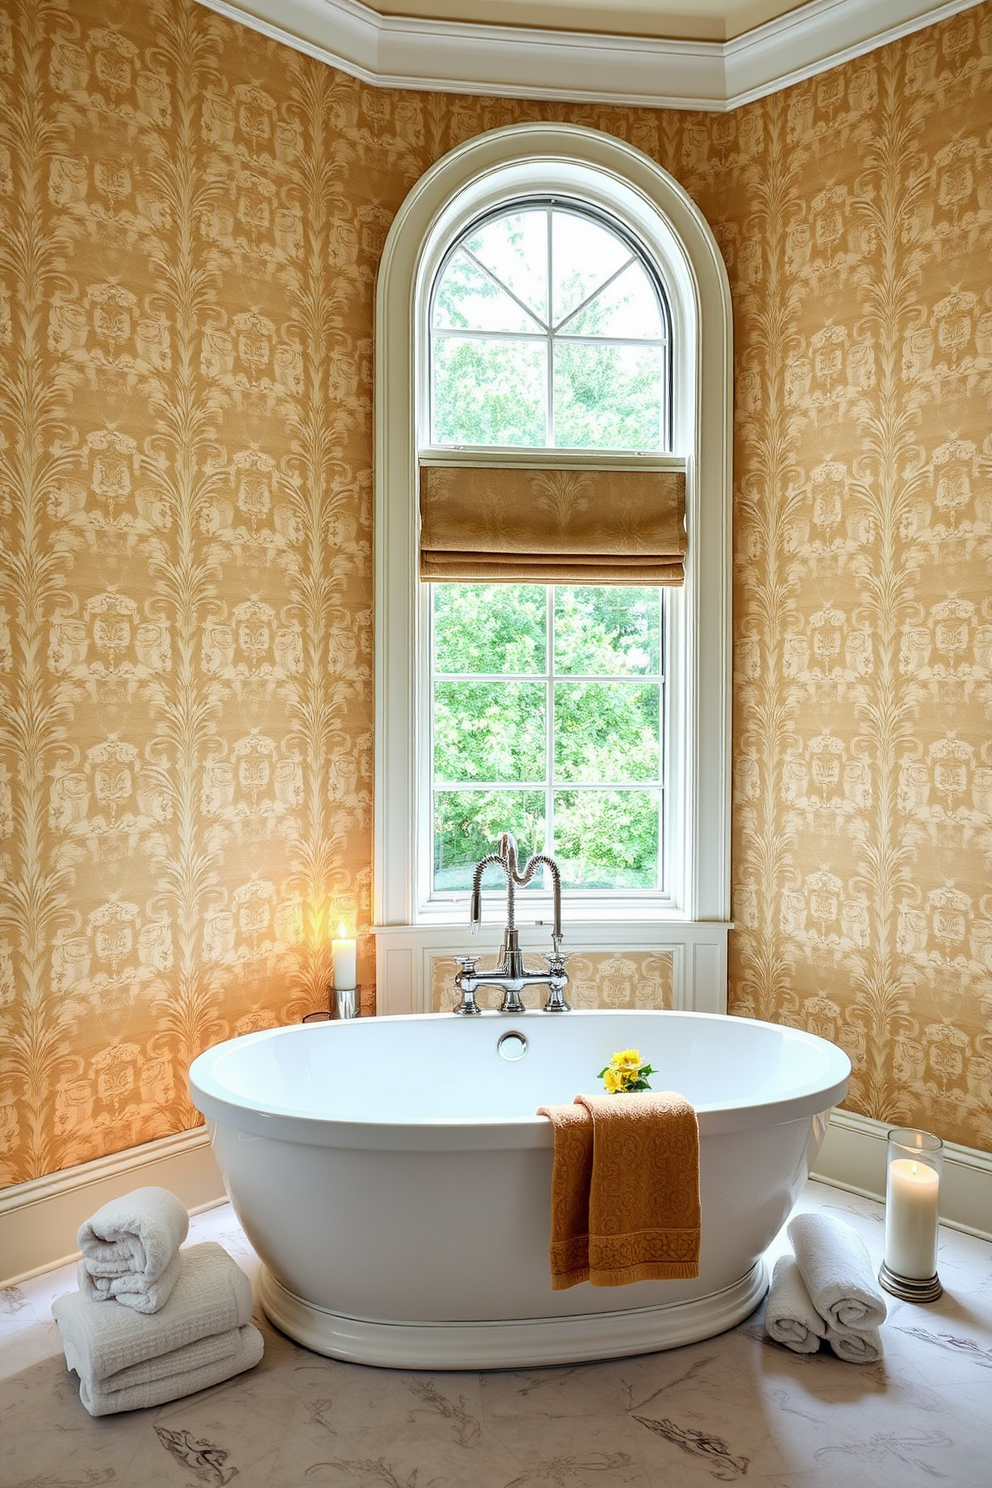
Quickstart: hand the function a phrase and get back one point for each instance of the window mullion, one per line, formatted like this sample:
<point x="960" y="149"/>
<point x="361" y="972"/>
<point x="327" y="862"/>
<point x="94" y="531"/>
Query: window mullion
<point x="596" y="292"/>
<point x="549" y="763"/>
<point x="550" y="344"/>
<point x="501" y="284"/>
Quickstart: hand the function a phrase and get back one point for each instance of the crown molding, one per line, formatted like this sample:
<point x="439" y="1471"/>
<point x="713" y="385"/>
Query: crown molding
<point x="521" y="62"/>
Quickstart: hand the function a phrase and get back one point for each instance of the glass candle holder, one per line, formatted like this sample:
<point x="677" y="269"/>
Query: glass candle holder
<point x="912" y="1192"/>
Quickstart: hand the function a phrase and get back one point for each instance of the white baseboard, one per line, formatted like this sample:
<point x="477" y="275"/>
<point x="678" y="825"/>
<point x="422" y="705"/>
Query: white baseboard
<point x="853" y="1158"/>
<point x="39" y="1219"/>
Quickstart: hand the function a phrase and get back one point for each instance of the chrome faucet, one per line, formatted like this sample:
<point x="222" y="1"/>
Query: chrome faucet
<point x="511" y="974"/>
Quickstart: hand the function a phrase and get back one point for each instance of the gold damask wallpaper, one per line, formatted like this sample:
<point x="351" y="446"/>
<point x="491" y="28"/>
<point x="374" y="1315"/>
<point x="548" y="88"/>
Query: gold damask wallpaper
<point x="191" y="218"/>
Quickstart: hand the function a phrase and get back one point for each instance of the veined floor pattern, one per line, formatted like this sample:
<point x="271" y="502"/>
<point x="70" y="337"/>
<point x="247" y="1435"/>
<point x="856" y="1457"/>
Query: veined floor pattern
<point x="733" y="1409"/>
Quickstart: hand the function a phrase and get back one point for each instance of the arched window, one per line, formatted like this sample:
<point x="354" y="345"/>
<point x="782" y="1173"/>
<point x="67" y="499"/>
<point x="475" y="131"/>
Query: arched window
<point x="549" y="328"/>
<point x="553" y="319"/>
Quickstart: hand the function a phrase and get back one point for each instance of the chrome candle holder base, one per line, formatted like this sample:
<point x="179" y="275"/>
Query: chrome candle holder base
<point x="908" y="1288"/>
<point x="346" y="1002"/>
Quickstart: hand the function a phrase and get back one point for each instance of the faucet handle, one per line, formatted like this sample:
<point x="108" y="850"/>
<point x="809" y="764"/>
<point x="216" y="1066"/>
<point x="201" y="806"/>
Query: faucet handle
<point x="557" y="982"/>
<point x="468" y="1007"/>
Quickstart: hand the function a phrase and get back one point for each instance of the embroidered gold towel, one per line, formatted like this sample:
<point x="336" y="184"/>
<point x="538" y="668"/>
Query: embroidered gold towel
<point x="625" y="1189"/>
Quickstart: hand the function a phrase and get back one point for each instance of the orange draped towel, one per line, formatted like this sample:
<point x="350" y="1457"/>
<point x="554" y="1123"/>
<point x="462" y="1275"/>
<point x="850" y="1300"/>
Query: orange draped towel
<point x="624" y="1189"/>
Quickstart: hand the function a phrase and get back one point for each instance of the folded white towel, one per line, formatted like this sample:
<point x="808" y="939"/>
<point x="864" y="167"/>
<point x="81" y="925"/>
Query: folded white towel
<point x="212" y="1296"/>
<point x="861" y="1346"/>
<point x="132" y="1290"/>
<point x="199" y="1354"/>
<point x="790" y="1316"/>
<point x="245" y="1347"/>
<point x="134" y="1238"/>
<point x="837" y="1270"/>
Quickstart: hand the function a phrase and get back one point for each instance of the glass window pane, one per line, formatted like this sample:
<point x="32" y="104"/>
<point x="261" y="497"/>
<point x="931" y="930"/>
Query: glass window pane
<point x="627" y="307"/>
<point x="489" y="392"/>
<point x="515" y="249"/>
<point x="489" y="627"/>
<point x="608" y="839"/>
<point x="489" y="731"/>
<point x="584" y="255"/>
<point x="469" y="299"/>
<point x="609" y="397"/>
<point x="607" y="731"/>
<point x="612" y="632"/>
<point x="467" y="826"/>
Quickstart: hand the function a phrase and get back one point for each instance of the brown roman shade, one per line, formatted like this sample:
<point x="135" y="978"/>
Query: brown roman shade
<point x="505" y="524"/>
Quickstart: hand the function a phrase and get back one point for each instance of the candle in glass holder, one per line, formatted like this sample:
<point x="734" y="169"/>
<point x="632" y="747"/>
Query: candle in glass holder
<point x="912" y="1192"/>
<point x="344" y="957"/>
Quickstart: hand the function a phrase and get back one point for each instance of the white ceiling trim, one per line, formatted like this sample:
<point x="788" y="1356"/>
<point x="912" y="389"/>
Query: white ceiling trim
<point x="520" y="62"/>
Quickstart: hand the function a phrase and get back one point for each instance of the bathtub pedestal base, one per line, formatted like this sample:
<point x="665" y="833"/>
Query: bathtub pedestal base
<point x="512" y="1344"/>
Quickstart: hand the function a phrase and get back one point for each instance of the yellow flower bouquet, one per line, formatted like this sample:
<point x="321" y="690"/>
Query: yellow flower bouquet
<point x="625" y="1072"/>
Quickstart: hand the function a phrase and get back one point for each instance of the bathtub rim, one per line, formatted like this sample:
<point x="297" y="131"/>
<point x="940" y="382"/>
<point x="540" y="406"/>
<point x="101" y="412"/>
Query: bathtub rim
<point x="515" y="1343"/>
<point x="440" y="1134"/>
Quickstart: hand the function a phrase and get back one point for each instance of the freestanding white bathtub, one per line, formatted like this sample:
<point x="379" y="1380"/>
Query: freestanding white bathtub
<point x="395" y="1181"/>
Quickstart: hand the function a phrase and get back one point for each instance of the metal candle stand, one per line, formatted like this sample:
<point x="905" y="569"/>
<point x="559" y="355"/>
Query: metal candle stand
<point x="345" y="1002"/>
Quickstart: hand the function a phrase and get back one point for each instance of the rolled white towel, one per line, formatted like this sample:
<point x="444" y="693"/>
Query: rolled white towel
<point x="790" y="1316"/>
<point x="212" y="1296"/>
<point x="242" y="1350"/>
<point x="856" y="1346"/>
<point x="132" y="1290"/>
<point x="838" y="1273"/>
<point x="133" y="1238"/>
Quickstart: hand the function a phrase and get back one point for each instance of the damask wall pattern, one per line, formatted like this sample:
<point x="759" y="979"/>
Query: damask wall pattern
<point x="191" y="218"/>
<point x="186" y="594"/>
<point x="863" y="513"/>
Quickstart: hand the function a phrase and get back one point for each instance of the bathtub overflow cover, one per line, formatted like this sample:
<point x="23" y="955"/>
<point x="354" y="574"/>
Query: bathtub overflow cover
<point x="512" y="1045"/>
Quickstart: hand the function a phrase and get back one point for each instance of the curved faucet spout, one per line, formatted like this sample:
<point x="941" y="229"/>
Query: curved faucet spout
<point x="475" y="912"/>
<point x="511" y="974"/>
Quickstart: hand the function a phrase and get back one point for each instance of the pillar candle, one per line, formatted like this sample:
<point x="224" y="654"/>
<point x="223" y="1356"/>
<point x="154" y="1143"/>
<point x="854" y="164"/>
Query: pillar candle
<point x="911" y="1219"/>
<point x="344" y="958"/>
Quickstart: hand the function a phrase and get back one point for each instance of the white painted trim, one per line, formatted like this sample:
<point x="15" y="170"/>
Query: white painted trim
<point x="819" y="36"/>
<point x="853" y="1158"/>
<point x="633" y="71"/>
<point x="39" y="1219"/>
<point x="528" y="159"/>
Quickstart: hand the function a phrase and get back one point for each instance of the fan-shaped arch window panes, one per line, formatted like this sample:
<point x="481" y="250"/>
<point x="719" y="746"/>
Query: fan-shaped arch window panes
<point x="549" y="329"/>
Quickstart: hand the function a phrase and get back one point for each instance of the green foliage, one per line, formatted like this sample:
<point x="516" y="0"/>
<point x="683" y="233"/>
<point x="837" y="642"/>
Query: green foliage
<point x="608" y="397"/>
<point x="489" y="731"/>
<point x="489" y="627"/>
<point x="608" y="839"/>
<point x="607" y="642"/>
<point x="467" y="826"/>
<point x="488" y="391"/>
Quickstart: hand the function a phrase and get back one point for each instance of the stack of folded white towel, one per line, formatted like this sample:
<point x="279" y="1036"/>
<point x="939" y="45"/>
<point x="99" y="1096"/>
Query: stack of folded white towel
<point x="178" y="1320"/>
<point x="826" y="1290"/>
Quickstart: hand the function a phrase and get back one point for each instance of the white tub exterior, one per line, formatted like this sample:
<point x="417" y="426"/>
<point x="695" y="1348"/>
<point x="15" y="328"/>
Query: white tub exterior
<point x="395" y="1181"/>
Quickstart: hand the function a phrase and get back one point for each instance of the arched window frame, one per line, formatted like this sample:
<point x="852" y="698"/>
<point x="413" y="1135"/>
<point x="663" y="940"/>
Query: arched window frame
<point x="479" y="176"/>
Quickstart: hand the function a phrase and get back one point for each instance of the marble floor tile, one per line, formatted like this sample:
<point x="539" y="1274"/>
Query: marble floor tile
<point x="733" y="1409"/>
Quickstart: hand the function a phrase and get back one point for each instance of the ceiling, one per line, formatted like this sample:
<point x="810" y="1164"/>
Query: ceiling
<point x="700" y="54"/>
<point x="690" y="20"/>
